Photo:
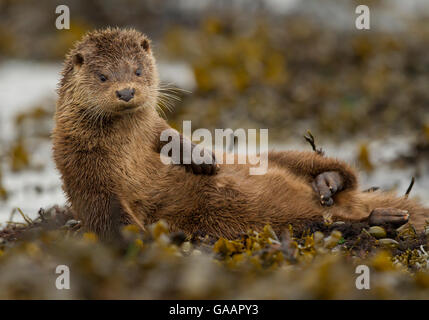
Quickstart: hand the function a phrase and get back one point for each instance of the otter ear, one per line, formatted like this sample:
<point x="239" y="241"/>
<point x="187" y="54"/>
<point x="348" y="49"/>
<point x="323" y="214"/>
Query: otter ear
<point x="145" y="44"/>
<point x="77" y="59"/>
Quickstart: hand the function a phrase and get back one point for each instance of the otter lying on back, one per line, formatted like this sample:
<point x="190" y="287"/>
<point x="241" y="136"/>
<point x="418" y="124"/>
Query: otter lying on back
<point x="107" y="149"/>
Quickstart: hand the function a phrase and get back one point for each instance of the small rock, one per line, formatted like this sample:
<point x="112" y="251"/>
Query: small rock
<point x="186" y="247"/>
<point x="196" y="252"/>
<point x="163" y="239"/>
<point x="377" y="232"/>
<point x="333" y="239"/>
<point x="388" y="242"/>
<point x="338" y="223"/>
<point x="318" y="237"/>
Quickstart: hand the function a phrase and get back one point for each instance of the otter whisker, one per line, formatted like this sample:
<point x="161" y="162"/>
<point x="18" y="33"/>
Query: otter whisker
<point x="172" y="90"/>
<point x="167" y="100"/>
<point x="159" y="108"/>
<point x="177" y="98"/>
<point x="172" y="87"/>
<point x="166" y="104"/>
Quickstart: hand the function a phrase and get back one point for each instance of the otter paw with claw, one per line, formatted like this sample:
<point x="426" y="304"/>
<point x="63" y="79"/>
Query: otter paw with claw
<point x="326" y="185"/>
<point x="208" y="165"/>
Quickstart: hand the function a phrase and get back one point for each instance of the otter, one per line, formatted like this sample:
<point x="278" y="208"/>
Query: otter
<point x="106" y="145"/>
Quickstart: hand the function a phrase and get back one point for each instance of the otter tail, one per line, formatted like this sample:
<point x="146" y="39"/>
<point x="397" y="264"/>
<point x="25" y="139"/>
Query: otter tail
<point x="419" y="215"/>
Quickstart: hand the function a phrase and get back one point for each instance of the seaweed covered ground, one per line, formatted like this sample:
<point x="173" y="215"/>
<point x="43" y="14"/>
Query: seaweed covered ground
<point x="318" y="262"/>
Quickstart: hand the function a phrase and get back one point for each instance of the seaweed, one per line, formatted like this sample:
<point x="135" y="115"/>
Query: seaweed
<point x="317" y="260"/>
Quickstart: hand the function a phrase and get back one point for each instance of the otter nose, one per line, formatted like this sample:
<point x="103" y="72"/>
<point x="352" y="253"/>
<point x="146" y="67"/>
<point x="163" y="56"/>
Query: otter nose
<point x="125" y="94"/>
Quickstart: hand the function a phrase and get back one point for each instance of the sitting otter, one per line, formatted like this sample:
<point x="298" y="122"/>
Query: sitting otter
<point x="107" y="149"/>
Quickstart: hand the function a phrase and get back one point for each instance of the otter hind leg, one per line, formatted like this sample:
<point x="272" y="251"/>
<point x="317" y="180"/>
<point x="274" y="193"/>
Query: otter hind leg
<point x="387" y="207"/>
<point x="392" y="216"/>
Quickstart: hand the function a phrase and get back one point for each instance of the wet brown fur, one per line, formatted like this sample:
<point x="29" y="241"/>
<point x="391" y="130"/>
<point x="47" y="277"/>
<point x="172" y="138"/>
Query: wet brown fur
<point x="111" y="168"/>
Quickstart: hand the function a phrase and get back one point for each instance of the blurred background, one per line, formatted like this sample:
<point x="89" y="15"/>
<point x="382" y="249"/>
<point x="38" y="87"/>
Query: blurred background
<point x="286" y="65"/>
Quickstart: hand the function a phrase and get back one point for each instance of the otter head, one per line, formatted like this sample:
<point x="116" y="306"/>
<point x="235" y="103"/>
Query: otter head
<point x="111" y="71"/>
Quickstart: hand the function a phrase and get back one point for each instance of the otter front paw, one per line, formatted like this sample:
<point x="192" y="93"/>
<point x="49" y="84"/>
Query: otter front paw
<point x="392" y="216"/>
<point x="326" y="185"/>
<point x="205" y="164"/>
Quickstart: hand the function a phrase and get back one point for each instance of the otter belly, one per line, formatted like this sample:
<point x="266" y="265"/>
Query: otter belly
<point x="230" y="202"/>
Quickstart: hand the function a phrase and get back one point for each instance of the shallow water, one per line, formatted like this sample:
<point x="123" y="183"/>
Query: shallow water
<point x="32" y="189"/>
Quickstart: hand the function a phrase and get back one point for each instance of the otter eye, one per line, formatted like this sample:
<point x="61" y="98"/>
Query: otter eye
<point x="102" y="77"/>
<point x="138" y="72"/>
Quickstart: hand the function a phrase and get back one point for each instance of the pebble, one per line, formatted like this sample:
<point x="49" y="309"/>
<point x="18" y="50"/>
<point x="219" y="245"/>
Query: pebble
<point x="318" y="237"/>
<point x="388" y="242"/>
<point x="186" y="247"/>
<point x="377" y="232"/>
<point x="333" y="239"/>
<point x="196" y="252"/>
